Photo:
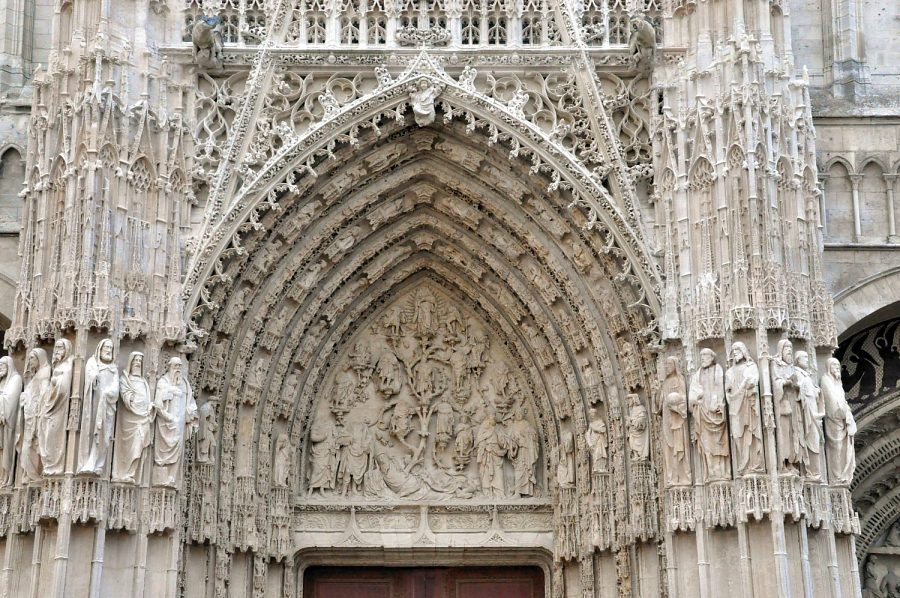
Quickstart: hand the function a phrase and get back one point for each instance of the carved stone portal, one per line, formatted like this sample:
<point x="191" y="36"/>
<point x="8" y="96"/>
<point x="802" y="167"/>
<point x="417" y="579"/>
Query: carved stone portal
<point x="425" y="405"/>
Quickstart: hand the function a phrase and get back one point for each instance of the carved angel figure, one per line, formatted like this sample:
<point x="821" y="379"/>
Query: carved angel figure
<point x="672" y="406"/>
<point x="134" y="419"/>
<point x="27" y="428"/>
<point x="98" y="409"/>
<point x="422" y="98"/>
<point x="742" y="394"/>
<point x="54" y="410"/>
<point x="708" y="408"/>
<point x="10" y="392"/>
<point x="840" y="427"/>
<point x="176" y="418"/>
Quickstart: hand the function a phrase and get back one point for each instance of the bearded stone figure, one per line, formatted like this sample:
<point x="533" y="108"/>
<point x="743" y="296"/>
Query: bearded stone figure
<point x="813" y="413"/>
<point x="98" y="409"/>
<point x="788" y="410"/>
<point x="840" y="426"/>
<point x="672" y="406"/>
<point x="27" y="441"/>
<point x="134" y="419"/>
<point x="708" y="408"/>
<point x="55" y="409"/>
<point x="742" y="394"/>
<point x="176" y="419"/>
<point x="10" y="392"/>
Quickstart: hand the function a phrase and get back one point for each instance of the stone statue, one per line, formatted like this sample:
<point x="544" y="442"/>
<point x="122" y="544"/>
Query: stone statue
<point x="638" y="429"/>
<point x="27" y="428"/>
<point x="525" y="453"/>
<point x="176" y="419"/>
<point x="422" y="98"/>
<point x="840" y="427"/>
<point x="281" y="468"/>
<point x="356" y="448"/>
<point x="55" y="409"/>
<point x="98" y="409"/>
<point x="642" y="40"/>
<point x="323" y="457"/>
<point x="489" y="454"/>
<point x="133" y="421"/>
<point x="598" y="442"/>
<point x="10" y="392"/>
<point x="787" y="407"/>
<point x="565" y="460"/>
<point x="708" y="408"/>
<point x="813" y="413"/>
<point x="444" y="417"/>
<point x="464" y="444"/>
<point x="206" y="438"/>
<point x="672" y="406"/>
<point x="206" y="37"/>
<point x="742" y="394"/>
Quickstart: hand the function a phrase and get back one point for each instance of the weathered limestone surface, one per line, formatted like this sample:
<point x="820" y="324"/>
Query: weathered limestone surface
<point x="548" y="283"/>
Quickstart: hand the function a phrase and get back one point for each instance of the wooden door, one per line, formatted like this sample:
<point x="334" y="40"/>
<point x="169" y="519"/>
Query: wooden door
<point x="424" y="582"/>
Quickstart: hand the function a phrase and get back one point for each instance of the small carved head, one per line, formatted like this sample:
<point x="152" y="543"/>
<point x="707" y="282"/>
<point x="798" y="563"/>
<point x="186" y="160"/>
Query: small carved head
<point x="60" y="350"/>
<point x="671" y="366"/>
<point x="106" y="351"/>
<point x="834" y="368"/>
<point x="786" y="350"/>
<point x="174" y="367"/>
<point x="136" y="364"/>
<point x="707" y="357"/>
<point x="739" y="352"/>
<point x="802" y="358"/>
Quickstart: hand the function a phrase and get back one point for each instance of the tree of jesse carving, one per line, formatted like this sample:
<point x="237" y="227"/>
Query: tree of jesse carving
<point x="423" y="406"/>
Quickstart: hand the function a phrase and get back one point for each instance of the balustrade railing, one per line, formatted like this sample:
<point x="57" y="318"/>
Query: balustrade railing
<point x="469" y="23"/>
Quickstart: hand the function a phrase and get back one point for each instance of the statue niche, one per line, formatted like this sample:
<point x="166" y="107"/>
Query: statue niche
<point x="423" y="405"/>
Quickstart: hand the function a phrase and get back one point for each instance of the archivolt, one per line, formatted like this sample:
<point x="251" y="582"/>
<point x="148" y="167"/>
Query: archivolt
<point x="414" y="205"/>
<point x="300" y="158"/>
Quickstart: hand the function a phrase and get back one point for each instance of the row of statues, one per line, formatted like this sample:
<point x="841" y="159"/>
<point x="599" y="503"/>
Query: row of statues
<point x="726" y="425"/>
<point x="120" y="415"/>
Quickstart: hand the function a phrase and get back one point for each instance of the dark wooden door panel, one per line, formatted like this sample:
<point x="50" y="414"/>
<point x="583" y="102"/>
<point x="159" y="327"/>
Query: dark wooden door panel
<point x="424" y="582"/>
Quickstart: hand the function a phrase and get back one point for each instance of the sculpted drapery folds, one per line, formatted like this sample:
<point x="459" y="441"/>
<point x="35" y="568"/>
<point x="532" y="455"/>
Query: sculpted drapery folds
<point x="10" y="393"/>
<point x="742" y="394"/>
<point x="323" y="457"/>
<point x="55" y="409"/>
<point x="813" y="413"/>
<point x="638" y="429"/>
<point x="284" y="454"/>
<point x="98" y="409"/>
<point x="788" y="409"/>
<point x="176" y="418"/>
<point x="708" y="409"/>
<point x="134" y="419"/>
<point x="525" y="453"/>
<point x="597" y="440"/>
<point x="840" y="426"/>
<point x="489" y="454"/>
<point x="28" y="426"/>
<point x="672" y="406"/>
<point x="206" y="439"/>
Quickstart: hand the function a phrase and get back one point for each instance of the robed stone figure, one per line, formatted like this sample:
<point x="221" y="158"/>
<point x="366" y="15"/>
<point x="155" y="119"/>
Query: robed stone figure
<point x="55" y="410"/>
<point x="708" y="408"/>
<point x="672" y="406"/>
<point x="788" y="410"/>
<point x="813" y="413"/>
<point x="10" y="393"/>
<point x="176" y="418"/>
<point x="98" y="409"/>
<point x="28" y="426"/>
<point x="840" y="427"/>
<point x="742" y="394"/>
<point x="133" y="421"/>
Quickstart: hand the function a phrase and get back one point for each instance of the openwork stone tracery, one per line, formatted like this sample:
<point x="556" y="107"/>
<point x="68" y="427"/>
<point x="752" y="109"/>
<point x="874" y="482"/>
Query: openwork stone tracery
<point x="431" y="297"/>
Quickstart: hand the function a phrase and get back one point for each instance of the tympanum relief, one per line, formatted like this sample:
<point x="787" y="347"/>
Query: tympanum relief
<point x="424" y="405"/>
